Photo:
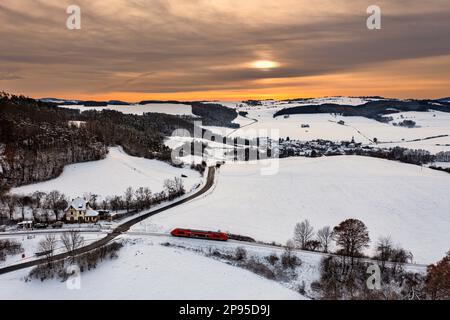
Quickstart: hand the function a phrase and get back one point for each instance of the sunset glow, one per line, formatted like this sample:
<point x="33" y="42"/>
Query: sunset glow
<point x="228" y="50"/>
<point x="264" y="64"/>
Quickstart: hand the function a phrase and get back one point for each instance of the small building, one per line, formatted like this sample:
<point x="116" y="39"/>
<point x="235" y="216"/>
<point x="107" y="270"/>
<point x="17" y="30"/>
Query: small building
<point x="80" y="211"/>
<point x="92" y="216"/>
<point x="25" y="225"/>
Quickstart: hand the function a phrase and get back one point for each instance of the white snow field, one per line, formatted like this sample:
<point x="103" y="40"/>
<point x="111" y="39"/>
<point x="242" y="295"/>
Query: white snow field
<point x="147" y="270"/>
<point x="113" y="175"/>
<point x="407" y="202"/>
<point x="168" y="108"/>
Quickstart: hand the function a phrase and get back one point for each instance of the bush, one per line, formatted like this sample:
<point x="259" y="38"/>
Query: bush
<point x="9" y="247"/>
<point x="86" y="261"/>
<point x="272" y="259"/>
<point x="260" y="268"/>
<point x="240" y="254"/>
<point x="289" y="260"/>
<point x="341" y="280"/>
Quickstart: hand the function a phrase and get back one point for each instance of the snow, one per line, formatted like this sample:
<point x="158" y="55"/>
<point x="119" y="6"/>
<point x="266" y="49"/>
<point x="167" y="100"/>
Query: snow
<point x="213" y="153"/>
<point x="364" y="130"/>
<point x="78" y="204"/>
<point x="30" y="245"/>
<point x="147" y="270"/>
<point x="441" y="164"/>
<point x="406" y="202"/>
<point x="167" y="108"/>
<point x="112" y="176"/>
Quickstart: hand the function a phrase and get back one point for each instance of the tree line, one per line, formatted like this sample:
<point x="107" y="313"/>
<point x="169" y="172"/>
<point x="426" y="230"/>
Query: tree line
<point x="47" y="207"/>
<point x="345" y="274"/>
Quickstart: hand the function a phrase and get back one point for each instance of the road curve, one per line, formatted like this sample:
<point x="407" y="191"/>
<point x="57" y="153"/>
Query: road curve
<point x="124" y="227"/>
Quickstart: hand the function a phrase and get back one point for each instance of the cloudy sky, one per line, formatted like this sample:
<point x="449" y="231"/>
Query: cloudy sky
<point x="224" y="49"/>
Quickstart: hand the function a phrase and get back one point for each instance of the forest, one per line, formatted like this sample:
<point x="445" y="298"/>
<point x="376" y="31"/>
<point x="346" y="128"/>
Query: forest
<point x="37" y="139"/>
<point x="378" y="110"/>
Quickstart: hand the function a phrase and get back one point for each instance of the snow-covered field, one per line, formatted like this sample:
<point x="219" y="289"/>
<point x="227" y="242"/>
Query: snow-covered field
<point x="112" y="176"/>
<point x="147" y="270"/>
<point x="168" y="108"/>
<point x="406" y="202"/>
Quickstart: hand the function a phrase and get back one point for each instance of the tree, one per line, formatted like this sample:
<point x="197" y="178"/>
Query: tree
<point x="400" y="256"/>
<point x="93" y="201"/>
<point x="38" y="197"/>
<point x="438" y="279"/>
<point x="384" y="250"/>
<point x="47" y="246"/>
<point x="174" y="188"/>
<point x="312" y="245"/>
<point x="324" y="236"/>
<point x="116" y="203"/>
<point x="72" y="240"/>
<point x="11" y="203"/>
<point x="352" y="237"/>
<point x="37" y="203"/>
<point x="56" y="201"/>
<point x="288" y="258"/>
<point x="128" y="198"/>
<point x="303" y="233"/>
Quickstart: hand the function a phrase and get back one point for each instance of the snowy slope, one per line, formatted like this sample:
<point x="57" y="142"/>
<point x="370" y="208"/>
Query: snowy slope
<point x="112" y="176"/>
<point x="147" y="270"/>
<point x="407" y="202"/>
<point x="168" y="108"/>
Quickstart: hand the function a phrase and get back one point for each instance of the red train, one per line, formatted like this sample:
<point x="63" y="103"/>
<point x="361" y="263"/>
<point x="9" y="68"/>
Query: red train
<point x="198" y="234"/>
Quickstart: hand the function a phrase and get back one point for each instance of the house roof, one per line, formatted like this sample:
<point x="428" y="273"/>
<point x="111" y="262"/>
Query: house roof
<point x="79" y="204"/>
<point x="25" y="222"/>
<point x="91" y="213"/>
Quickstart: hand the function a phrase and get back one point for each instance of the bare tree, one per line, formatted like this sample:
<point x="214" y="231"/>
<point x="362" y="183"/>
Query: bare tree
<point x="384" y="250"/>
<point x="11" y="203"/>
<point x="174" y="188"/>
<point x="47" y="246"/>
<point x="128" y="198"/>
<point x="116" y="203"/>
<point x="38" y="197"/>
<point x="22" y="206"/>
<point x="324" y="236"/>
<point x="147" y="197"/>
<point x="72" y="240"/>
<point x="303" y="233"/>
<point x="352" y="236"/>
<point x="93" y="201"/>
<point x="56" y="201"/>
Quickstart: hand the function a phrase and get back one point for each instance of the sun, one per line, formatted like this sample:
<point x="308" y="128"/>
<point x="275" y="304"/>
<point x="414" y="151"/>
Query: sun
<point x="264" y="64"/>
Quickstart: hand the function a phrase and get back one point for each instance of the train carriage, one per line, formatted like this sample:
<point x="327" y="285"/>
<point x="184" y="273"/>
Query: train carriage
<point x="199" y="234"/>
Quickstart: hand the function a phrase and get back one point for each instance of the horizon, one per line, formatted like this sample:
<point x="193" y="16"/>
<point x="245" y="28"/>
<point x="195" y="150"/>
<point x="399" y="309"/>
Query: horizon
<point x="224" y="51"/>
<point x="235" y="100"/>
